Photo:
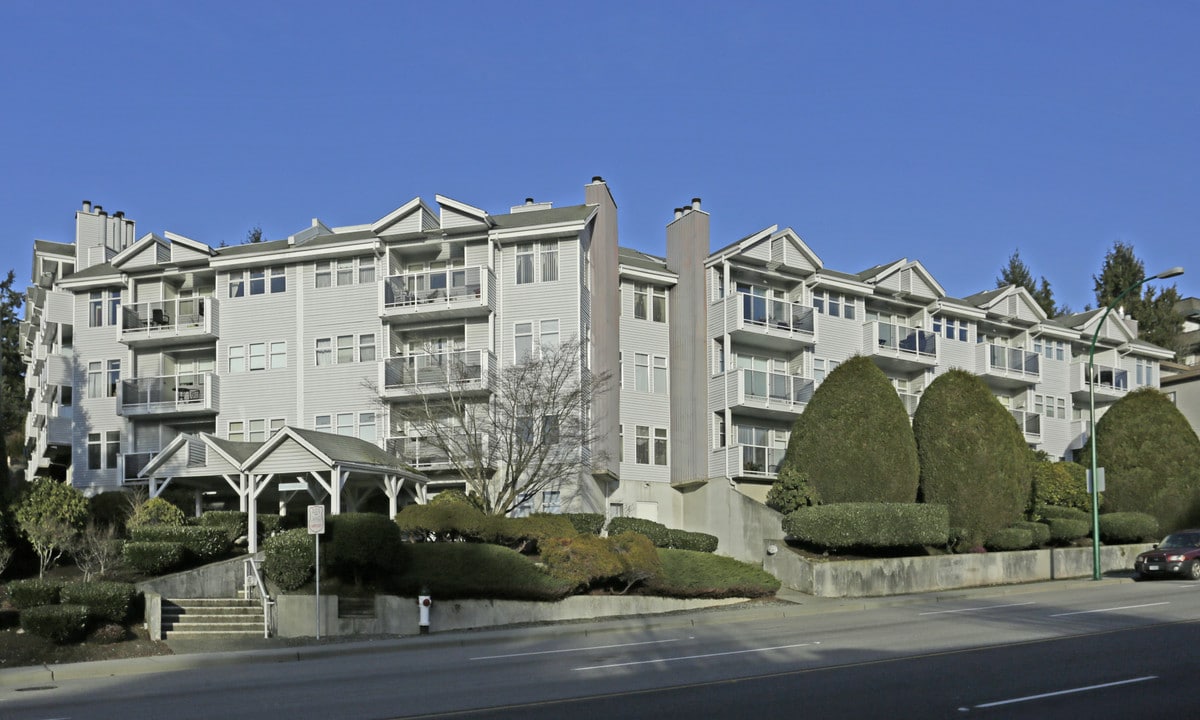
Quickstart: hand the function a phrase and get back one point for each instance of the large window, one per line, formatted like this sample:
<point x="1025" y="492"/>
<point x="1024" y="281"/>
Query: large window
<point x="650" y="445"/>
<point x="278" y="355"/>
<point x="258" y="281"/>
<point x="345" y="349"/>
<point x="522" y="342"/>
<point x="639" y="301"/>
<point x="658" y="304"/>
<point x="660" y="375"/>
<point x="324" y="352"/>
<point x="95" y="380"/>
<point x="237" y="284"/>
<point x="549" y="335"/>
<point x="641" y="372"/>
<point x="278" y="280"/>
<point x="549" y="261"/>
<point x="96" y="309"/>
<point x="114" y="307"/>
<point x="114" y="377"/>
<point x="345" y="424"/>
<point x="258" y="356"/>
<point x="525" y="264"/>
<point x="237" y="358"/>
<point x="366" y="347"/>
<point x="103" y="450"/>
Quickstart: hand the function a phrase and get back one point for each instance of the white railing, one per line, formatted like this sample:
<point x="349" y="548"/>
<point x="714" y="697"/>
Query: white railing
<point x="171" y="317"/>
<point x="437" y="369"/>
<point x="254" y="584"/>
<point x="775" y="314"/>
<point x="437" y="287"/>
<point x="889" y="338"/>
<point x="1009" y="361"/>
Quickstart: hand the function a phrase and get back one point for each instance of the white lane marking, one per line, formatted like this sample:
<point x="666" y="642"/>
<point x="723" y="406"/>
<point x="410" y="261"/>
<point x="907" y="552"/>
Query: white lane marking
<point x="986" y="607"/>
<point x="569" y="650"/>
<point x="695" y="657"/>
<point x="1027" y="698"/>
<point x="1111" y="609"/>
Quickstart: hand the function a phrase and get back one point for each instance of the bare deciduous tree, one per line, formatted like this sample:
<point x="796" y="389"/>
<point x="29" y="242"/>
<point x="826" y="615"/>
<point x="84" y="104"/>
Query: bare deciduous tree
<point x="96" y="550"/>
<point x="529" y="431"/>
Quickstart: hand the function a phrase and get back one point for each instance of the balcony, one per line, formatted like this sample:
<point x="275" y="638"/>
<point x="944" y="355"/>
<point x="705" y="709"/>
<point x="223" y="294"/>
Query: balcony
<point x="777" y="396"/>
<point x="899" y="348"/>
<point x="438" y="295"/>
<point x="1007" y="368"/>
<point x="1111" y="384"/>
<point x="133" y="463"/>
<point x="747" y="461"/>
<point x="58" y="428"/>
<point x="184" y="321"/>
<point x="177" y="396"/>
<point x="756" y="321"/>
<point x="1030" y="424"/>
<point x="437" y="374"/>
<point x="419" y="453"/>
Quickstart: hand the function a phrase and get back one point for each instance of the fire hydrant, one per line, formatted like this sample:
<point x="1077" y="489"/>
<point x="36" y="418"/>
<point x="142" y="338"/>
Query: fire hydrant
<point x="423" y="603"/>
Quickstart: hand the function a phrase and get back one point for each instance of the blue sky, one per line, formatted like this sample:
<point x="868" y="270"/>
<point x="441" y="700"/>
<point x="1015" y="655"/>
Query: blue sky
<point x="947" y="132"/>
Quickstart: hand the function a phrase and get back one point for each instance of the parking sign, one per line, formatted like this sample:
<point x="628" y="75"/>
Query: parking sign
<point x="316" y="519"/>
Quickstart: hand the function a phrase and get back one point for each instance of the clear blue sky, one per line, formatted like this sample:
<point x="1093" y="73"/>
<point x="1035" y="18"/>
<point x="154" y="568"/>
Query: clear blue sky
<point x="948" y="132"/>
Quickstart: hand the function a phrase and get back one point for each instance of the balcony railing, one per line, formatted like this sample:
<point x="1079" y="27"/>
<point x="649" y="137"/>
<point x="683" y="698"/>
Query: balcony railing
<point x="418" y="452"/>
<point x="777" y="314"/>
<point x="452" y="288"/>
<point x="185" y="393"/>
<point x="1109" y="383"/>
<point x="1029" y="422"/>
<point x="1008" y="361"/>
<point x="449" y="370"/>
<point x="772" y="389"/>
<point x="893" y="340"/>
<point x="179" y="318"/>
<point x="135" y="462"/>
<point x="760" y="461"/>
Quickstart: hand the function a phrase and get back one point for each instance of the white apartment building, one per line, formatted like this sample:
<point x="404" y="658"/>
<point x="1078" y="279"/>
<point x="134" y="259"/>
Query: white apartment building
<point x="144" y="347"/>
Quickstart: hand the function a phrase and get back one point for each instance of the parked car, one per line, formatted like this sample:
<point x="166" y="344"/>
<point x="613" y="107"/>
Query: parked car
<point x="1178" y="555"/>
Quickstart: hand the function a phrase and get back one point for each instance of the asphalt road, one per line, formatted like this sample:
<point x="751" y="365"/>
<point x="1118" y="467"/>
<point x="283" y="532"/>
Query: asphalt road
<point x="1103" y="650"/>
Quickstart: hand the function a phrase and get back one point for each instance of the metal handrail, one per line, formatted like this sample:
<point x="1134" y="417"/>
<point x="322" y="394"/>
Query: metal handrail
<point x="254" y="573"/>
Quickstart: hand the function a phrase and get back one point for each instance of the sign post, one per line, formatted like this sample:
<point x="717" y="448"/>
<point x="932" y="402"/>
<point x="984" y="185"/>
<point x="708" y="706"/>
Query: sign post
<point x="316" y="526"/>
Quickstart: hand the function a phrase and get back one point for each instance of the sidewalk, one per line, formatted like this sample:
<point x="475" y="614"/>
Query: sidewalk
<point x="191" y="653"/>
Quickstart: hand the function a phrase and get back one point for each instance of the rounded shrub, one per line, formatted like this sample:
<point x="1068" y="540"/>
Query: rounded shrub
<point x="638" y="558"/>
<point x="107" y="601"/>
<point x="442" y="522"/>
<point x="60" y="624"/>
<point x="1039" y="531"/>
<point x="657" y="532"/>
<point x="289" y="558"/>
<point x="1062" y="484"/>
<point x="1009" y="538"/>
<point x="1070" y="513"/>
<point x="688" y="574"/>
<point x="854" y="440"/>
<point x="1128" y="527"/>
<point x="1151" y="457"/>
<point x="362" y="546"/>
<point x="201" y="543"/>
<point x="33" y="593"/>
<point x="153" y="558"/>
<point x="685" y="540"/>
<point x="1065" y="530"/>
<point x="586" y="523"/>
<point x="155" y="511"/>
<point x="233" y="522"/>
<point x="869" y="525"/>
<point x="974" y="459"/>
<point x="792" y="490"/>
<point x="525" y="534"/>
<point x="268" y="525"/>
<point x="581" y="561"/>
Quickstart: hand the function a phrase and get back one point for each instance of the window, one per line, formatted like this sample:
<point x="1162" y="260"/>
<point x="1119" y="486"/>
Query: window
<point x="237" y="430"/>
<point x="819" y="301"/>
<point x="114" y="376"/>
<point x="94" y="452"/>
<point x="719" y="358"/>
<point x="66" y="396"/>
<point x="345" y="349"/>
<point x="345" y="272"/>
<point x="95" y="380"/>
<point x="525" y="430"/>
<point x="1144" y="371"/>
<point x="822" y="367"/>
<point x="641" y="445"/>
<point x="114" y="307"/>
<point x="834" y="304"/>
<point x="1039" y="404"/>
<point x="366" y="270"/>
<point x="324" y="352"/>
<point x="549" y="429"/>
<point x="257" y="431"/>
<point x="641" y="372"/>
<point x="1060" y="406"/>
<point x="524" y="264"/>
<point x="324" y="274"/>
<point x="366" y="347"/>
<point x="112" y="448"/>
<point x="345" y="424"/>
<point x="522" y="342"/>
<point x="258" y="282"/>
<point x="848" y="309"/>
<point x="366" y="426"/>
<point x="323" y="423"/>
<point x="620" y="443"/>
<point x="549" y="338"/>
<point x="660" y="446"/>
<point x="275" y="426"/>
<point x="551" y="501"/>
<point x="96" y="309"/>
<point x="258" y="356"/>
<point x="660" y="375"/>
<point x="639" y="302"/>
<point x="237" y="284"/>
<point x="278" y="355"/>
<point x="524" y="508"/>
<point x="550" y="261"/>
<point x="237" y="358"/>
<point x="720" y="432"/>
<point x="278" y="280"/>
<point x="658" y="304"/>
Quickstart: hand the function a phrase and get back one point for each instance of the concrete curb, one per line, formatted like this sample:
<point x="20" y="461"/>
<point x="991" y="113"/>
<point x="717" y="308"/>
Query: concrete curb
<point x="791" y="605"/>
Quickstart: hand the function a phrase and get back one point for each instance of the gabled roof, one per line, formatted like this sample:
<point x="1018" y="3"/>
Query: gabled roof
<point x="57" y="248"/>
<point x="103" y="270"/>
<point x="637" y="258"/>
<point x="267" y="246"/>
<point x="740" y="245"/>
<point x="464" y="209"/>
<point x="331" y="449"/>
<point x="187" y="242"/>
<point x="553" y="216"/>
<point x="136" y="248"/>
<point x="395" y="216"/>
<point x="876" y="272"/>
<point x="1085" y="323"/>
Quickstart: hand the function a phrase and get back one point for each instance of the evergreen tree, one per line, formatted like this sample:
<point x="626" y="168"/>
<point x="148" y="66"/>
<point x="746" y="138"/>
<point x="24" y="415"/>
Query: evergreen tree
<point x="1154" y="309"/>
<point x="1018" y="273"/>
<point x="12" y="368"/>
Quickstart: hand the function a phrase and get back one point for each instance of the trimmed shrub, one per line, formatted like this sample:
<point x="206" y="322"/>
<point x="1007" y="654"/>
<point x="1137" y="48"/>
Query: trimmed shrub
<point x="474" y="570"/>
<point x="685" y="540"/>
<point x="25" y="594"/>
<point x="792" y="490"/>
<point x="60" y="624"/>
<point x="1010" y="538"/>
<point x="525" y="534"/>
<point x="657" y="532"/>
<point x="1040" y="531"/>
<point x="362" y="546"/>
<point x="869" y="525"/>
<point x="107" y="601"/>
<point x="455" y="497"/>
<point x="1065" y="530"/>
<point x="154" y="558"/>
<point x="1128" y="527"/>
<point x="689" y="574"/>
<point x="202" y="543"/>
<point x="638" y="557"/>
<point x="289" y="558"/>
<point x="1061" y="484"/>
<point x="155" y="511"/>
<point x="233" y="522"/>
<point x="440" y="522"/>
<point x="268" y="525"/>
<point x="974" y="459"/>
<point x="854" y="439"/>
<point x="586" y="523"/>
<point x="1151" y="457"/>
<point x="581" y="561"/>
<point x="1069" y="513"/>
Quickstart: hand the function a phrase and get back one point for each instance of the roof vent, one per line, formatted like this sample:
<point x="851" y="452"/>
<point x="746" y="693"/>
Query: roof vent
<point x="531" y="205"/>
<point x="87" y="206"/>
<point x="597" y="179"/>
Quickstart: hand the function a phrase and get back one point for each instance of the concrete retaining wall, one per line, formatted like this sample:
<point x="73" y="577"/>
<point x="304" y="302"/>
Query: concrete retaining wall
<point x="222" y="579"/>
<point x="901" y="576"/>
<point x="742" y="524"/>
<point x="295" y="614"/>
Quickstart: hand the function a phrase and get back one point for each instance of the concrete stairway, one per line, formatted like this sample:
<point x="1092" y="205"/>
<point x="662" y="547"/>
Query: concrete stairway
<point x="211" y="617"/>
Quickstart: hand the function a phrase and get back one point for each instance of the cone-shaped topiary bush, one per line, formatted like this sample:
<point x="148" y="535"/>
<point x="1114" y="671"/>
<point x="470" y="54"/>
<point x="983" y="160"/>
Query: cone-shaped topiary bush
<point x="853" y="441"/>
<point x="1151" y="460"/>
<point x="974" y="459"/>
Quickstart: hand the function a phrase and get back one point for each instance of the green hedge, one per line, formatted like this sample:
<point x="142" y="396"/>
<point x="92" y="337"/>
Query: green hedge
<point x="154" y="558"/>
<point x="59" y="623"/>
<point x="289" y="558"/>
<point x="869" y="525"/>
<point x="1040" y="531"/>
<point x="525" y="534"/>
<point x="1061" y="484"/>
<point x="202" y="543"/>
<point x="440" y="522"/>
<point x="689" y="574"/>
<point x="107" y="601"/>
<point x="685" y="540"/>
<point x="582" y="561"/>
<point x="156" y="511"/>
<point x="362" y="545"/>
<point x="233" y="522"/>
<point x="638" y="558"/>
<point x="658" y="533"/>
<point x="1128" y="527"/>
<point x="268" y="525"/>
<point x="1064" y="530"/>
<point x="586" y="523"/>
<point x="1010" y="538"/>
<point x="1050" y="512"/>
<point x="34" y="592"/>
<point x="474" y="570"/>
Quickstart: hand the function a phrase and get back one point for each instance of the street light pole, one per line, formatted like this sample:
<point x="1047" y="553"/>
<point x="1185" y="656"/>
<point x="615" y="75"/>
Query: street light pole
<point x="1091" y="380"/>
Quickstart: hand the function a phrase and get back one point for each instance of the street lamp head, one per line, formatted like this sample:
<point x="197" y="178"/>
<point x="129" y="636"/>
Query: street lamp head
<point x="1173" y="272"/>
